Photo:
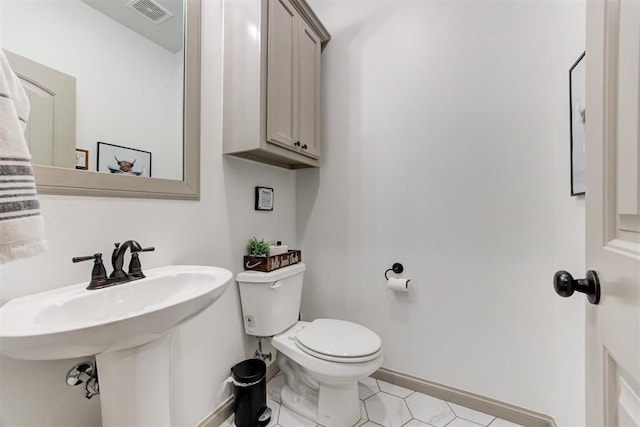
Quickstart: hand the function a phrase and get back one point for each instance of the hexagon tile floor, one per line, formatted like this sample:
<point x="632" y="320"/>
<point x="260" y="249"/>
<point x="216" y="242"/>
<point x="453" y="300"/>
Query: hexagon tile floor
<point x="384" y="404"/>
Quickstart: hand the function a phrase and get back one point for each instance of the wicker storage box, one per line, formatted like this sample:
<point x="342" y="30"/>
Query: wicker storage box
<point x="270" y="263"/>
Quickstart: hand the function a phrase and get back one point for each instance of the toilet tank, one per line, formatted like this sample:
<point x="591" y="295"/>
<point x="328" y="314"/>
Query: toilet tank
<point x="270" y="301"/>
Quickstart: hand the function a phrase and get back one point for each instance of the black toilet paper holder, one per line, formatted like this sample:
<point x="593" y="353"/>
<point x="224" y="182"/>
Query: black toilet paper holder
<point x="396" y="268"/>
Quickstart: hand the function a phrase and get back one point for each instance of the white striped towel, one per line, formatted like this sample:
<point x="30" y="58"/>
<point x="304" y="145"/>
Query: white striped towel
<point x="21" y="225"/>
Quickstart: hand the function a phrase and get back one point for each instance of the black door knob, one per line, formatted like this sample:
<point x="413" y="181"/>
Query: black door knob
<point x="565" y="285"/>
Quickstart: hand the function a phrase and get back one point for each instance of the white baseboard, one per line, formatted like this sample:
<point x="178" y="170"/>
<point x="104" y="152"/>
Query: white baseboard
<point x="219" y="415"/>
<point x="499" y="409"/>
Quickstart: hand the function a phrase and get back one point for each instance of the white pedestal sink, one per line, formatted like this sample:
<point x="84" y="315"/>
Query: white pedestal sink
<point x="127" y="327"/>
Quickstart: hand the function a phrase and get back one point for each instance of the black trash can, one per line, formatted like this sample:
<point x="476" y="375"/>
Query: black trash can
<point x="250" y="393"/>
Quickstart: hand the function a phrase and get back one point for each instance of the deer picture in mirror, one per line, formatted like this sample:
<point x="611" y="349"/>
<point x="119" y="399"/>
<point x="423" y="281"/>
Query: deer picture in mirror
<point x="109" y="72"/>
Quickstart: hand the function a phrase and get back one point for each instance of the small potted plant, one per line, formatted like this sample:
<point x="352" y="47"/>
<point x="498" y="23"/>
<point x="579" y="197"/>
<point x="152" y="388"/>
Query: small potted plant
<point x="257" y="247"/>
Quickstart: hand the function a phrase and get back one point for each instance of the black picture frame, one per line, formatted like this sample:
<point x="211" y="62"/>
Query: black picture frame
<point x="264" y="199"/>
<point x="577" y="119"/>
<point x="121" y="160"/>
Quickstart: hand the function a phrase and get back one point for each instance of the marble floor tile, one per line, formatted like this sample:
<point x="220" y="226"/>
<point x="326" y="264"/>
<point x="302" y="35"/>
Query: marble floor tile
<point x="387" y="410"/>
<point x="430" y="409"/>
<point x="499" y="422"/>
<point x="289" y="418"/>
<point x="471" y="415"/>
<point x="416" y="423"/>
<point x="363" y="414"/>
<point x="275" y="412"/>
<point x="385" y="404"/>
<point x="394" y="389"/>
<point x="367" y="387"/>
<point x="274" y="386"/>
<point x="461" y="422"/>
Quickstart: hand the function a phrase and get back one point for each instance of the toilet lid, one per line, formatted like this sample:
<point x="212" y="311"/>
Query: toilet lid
<point x="339" y="340"/>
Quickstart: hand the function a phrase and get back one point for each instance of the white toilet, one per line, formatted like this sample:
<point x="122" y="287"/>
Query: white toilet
<point x="322" y="360"/>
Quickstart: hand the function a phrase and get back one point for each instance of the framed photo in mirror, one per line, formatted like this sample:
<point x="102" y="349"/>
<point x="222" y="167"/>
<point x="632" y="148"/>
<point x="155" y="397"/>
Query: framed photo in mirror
<point x="82" y="159"/>
<point x="117" y="159"/>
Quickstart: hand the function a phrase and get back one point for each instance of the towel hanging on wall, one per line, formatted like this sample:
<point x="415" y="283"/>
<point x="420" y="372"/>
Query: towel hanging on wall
<point x="21" y="225"/>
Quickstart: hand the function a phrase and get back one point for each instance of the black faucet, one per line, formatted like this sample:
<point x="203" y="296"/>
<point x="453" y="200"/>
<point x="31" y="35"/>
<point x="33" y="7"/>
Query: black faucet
<point x="99" y="277"/>
<point x="117" y="258"/>
<point x="98" y="273"/>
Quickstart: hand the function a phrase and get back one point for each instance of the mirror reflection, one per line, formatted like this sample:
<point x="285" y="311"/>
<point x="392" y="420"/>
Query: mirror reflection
<point x="105" y="80"/>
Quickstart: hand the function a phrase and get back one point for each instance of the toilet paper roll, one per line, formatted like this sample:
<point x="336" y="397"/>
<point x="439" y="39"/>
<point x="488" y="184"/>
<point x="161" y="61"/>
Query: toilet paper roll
<point x="398" y="285"/>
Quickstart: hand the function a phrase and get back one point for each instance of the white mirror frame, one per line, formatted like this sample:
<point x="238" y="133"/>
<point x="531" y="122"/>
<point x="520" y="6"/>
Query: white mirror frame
<point x="55" y="180"/>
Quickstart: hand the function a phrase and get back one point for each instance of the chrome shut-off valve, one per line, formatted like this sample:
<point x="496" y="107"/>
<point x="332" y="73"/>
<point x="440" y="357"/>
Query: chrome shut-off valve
<point x="84" y="373"/>
<point x="259" y="354"/>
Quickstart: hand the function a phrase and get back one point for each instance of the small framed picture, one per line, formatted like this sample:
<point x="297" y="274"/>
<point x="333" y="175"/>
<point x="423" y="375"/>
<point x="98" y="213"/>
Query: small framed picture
<point x="577" y="110"/>
<point x="264" y="199"/>
<point x="82" y="159"/>
<point x="117" y="159"/>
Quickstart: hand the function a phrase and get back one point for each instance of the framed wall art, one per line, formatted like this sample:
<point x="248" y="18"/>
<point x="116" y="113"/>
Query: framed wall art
<point x="577" y="110"/>
<point x="117" y="159"/>
<point x="82" y="159"/>
<point x="264" y="199"/>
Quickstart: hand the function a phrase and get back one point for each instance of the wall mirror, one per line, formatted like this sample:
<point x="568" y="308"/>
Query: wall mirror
<point x="115" y="93"/>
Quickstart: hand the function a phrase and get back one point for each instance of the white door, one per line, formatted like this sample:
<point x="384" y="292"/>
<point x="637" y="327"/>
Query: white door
<point x="613" y="211"/>
<point x="51" y="129"/>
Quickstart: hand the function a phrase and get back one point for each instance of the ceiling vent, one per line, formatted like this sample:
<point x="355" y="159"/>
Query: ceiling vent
<point x="150" y="10"/>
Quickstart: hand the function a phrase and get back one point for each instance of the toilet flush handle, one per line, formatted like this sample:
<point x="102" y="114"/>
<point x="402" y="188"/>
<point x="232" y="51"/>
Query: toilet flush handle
<point x="276" y="285"/>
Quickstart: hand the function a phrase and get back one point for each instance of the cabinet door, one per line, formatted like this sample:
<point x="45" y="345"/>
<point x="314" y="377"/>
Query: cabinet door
<point x="309" y="91"/>
<point x="282" y="74"/>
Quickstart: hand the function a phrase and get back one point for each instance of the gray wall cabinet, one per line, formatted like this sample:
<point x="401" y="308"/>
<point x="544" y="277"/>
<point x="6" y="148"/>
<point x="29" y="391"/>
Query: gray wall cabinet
<point x="271" y="100"/>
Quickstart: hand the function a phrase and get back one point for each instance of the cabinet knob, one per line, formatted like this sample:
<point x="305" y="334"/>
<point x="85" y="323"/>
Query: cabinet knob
<point x="304" y="147"/>
<point x="297" y="143"/>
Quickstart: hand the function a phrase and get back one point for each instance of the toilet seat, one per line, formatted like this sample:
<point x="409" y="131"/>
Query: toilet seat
<point x="338" y="341"/>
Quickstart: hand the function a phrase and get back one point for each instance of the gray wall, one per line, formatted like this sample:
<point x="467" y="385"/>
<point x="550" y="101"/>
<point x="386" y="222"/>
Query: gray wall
<point x="212" y="231"/>
<point x="445" y="147"/>
<point x="446" y="142"/>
